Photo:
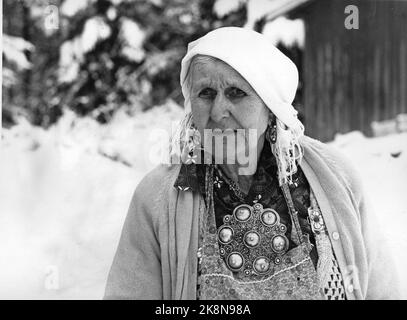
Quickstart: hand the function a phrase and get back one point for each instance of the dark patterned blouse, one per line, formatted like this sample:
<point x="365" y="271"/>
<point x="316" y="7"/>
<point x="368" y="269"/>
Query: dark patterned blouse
<point x="264" y="188"/>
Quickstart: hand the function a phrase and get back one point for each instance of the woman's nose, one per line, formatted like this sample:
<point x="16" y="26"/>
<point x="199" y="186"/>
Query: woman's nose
<point x="220" y="109"/>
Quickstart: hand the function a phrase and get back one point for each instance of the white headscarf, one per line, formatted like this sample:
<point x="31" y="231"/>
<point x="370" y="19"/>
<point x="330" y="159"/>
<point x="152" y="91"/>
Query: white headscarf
<point x="270" y="73"/>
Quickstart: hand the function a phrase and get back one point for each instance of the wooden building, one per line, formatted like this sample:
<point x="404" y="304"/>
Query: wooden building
<point x="351" y="77"/>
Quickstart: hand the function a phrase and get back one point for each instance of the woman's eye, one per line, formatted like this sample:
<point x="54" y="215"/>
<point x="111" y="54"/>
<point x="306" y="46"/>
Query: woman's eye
<point x="207" y="93"/>
<point x="235" y="93"/>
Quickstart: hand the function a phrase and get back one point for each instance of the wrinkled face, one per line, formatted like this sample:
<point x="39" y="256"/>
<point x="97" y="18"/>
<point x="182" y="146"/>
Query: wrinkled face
<point x="222" y="99"/>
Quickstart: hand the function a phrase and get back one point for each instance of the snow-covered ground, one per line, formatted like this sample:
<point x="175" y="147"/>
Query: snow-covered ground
<point x="64" y="194"/>
<point x="382" y="164"/>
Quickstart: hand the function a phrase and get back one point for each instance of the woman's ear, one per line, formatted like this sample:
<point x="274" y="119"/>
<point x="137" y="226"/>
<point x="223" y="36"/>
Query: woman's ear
<point x="272" y="119"/>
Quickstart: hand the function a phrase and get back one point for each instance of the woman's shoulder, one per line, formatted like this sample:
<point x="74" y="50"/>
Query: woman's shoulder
<point x="338" y="163"/>
<point x="157" y="180"/>
<point x="151" y="196"/>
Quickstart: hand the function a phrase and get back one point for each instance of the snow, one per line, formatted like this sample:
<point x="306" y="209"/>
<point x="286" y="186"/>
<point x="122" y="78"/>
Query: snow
<point x="133" y="37"/>
<point x="71" y="7"/>
<point x="288" y="32"/>
<point x="72" y="52"/>
<point x="64" y="200"/>
<point x="279" y="30"/>
<point x="65" y="192"/>
<point x="13" y="49"/>
<point x="9" y="77"/>
<point x="95" y="29"/>
<point x="382" y="164"/>
<point x="222" y="8"/>
<point x="69" y="58"/>
<point x="256" y="9"/>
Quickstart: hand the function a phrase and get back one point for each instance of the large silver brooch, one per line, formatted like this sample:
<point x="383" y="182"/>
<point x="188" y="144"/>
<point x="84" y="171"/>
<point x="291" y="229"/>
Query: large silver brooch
<point x="252" y="239"/>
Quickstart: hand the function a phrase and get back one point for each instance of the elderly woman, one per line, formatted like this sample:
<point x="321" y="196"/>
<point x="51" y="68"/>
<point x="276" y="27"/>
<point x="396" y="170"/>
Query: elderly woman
<point x="293" y="224"/>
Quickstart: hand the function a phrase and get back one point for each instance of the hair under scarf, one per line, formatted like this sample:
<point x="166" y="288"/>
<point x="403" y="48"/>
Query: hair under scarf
<point x="270" y="73"/>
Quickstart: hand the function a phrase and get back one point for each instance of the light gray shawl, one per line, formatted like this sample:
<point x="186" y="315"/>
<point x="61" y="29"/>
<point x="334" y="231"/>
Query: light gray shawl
<point x="156" y="256"/>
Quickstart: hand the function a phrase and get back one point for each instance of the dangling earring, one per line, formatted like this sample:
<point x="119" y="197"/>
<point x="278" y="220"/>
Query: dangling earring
<point x="191" y="142"/>
<point x="271" y="134"/>
<point x="178" y="139"/>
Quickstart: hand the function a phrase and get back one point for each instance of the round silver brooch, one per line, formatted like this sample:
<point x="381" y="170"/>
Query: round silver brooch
<point x="225" y="234"/>
<point x="261" y="264"/>
<point x="269" y="217"/>
<point x="243" y="212"/>
<point x="235" y="261"/>
<point x="279" y="243"/>
<point x="252" y="239"/>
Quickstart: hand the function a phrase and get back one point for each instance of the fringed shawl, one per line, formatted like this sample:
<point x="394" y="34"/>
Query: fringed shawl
<point x="156" y="256"/>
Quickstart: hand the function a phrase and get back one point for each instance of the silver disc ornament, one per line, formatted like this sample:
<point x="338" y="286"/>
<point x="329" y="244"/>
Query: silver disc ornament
<point x="252" y="239"/>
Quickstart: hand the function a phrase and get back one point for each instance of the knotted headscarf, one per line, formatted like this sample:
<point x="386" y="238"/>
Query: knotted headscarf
<point x="270" y="73"/>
